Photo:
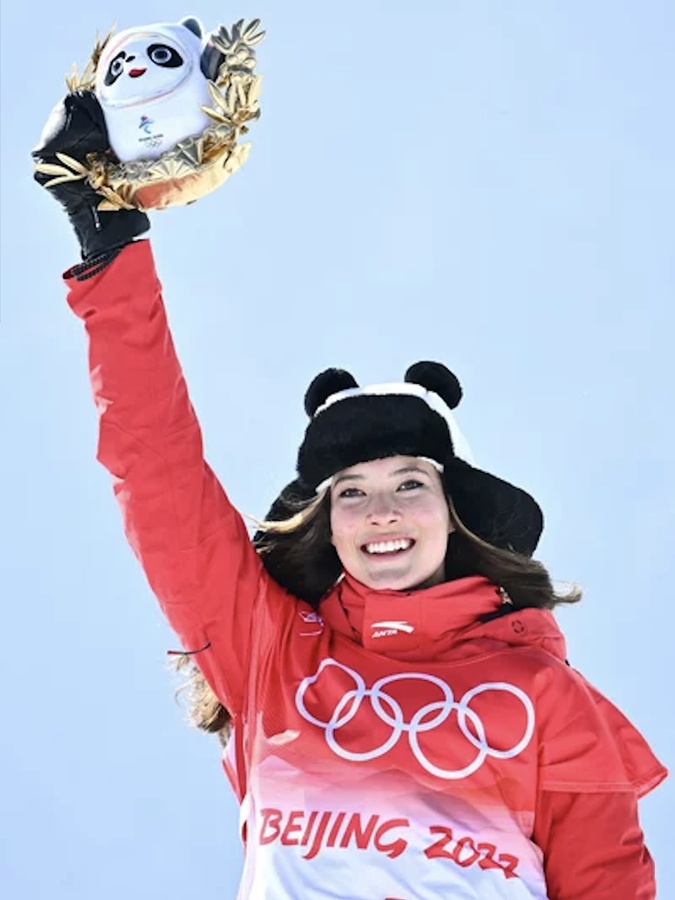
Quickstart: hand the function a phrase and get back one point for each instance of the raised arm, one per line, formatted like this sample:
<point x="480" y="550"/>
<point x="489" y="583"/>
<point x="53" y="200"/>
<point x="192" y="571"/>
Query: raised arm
<point x="191" y="543"/>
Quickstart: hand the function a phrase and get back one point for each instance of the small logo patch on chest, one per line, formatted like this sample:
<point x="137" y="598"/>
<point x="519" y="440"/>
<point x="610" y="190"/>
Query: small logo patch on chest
<point x="389" y="628"/>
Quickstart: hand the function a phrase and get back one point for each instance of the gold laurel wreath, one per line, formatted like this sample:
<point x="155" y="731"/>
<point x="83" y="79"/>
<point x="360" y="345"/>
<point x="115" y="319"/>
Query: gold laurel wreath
<point x="194" y="166"/>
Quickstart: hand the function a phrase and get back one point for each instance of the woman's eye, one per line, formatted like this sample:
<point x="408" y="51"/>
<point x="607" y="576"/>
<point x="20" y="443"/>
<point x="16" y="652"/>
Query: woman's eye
<point x="410" y="485"/>
<point x="350" y="492"/>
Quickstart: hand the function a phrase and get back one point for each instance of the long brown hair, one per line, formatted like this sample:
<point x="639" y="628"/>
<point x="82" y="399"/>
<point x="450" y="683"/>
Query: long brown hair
<point x="295" y="548"/>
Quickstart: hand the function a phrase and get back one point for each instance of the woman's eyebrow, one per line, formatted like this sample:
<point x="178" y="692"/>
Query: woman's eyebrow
<point x="405" y="469"/>
<point x="402" y="471"/>
<point x="347" y="477"/>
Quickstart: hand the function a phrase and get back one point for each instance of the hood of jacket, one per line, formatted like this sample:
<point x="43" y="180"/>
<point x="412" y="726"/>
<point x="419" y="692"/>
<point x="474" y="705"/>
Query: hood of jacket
<point x="438" y="623"/>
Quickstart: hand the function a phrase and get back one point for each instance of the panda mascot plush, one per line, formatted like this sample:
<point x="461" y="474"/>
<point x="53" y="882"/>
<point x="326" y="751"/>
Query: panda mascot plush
<point x="151" y="87"/>
<point x="176" y="102"/>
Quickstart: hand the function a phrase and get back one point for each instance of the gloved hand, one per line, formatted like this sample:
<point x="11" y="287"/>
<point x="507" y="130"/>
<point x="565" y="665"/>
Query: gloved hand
<point x="77" y="127"/>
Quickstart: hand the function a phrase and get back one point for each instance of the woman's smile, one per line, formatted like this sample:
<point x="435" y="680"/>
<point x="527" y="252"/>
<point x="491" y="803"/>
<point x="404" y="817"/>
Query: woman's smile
<point x="386" y="547"/>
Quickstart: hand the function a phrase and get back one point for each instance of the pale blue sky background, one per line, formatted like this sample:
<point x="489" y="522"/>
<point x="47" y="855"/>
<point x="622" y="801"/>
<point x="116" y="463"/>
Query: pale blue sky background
<point x="490" y="184"/>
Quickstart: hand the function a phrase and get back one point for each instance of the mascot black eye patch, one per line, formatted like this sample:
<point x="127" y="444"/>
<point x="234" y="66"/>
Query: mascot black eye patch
<point x="160" y="54"/>
<point x="163" y="55"/>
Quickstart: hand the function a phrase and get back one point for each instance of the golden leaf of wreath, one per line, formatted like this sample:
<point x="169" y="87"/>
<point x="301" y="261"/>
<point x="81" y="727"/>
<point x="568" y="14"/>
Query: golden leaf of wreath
<point x="87" y="80"/>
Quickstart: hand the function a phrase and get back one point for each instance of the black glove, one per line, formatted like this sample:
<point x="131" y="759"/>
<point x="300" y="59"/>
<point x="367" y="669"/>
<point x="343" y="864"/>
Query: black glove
<point x="77" y="127"/>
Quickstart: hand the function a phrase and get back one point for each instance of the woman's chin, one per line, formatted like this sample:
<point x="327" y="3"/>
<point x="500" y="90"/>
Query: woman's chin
<point x="399" y="579"/>
<point x="390" y="581"/>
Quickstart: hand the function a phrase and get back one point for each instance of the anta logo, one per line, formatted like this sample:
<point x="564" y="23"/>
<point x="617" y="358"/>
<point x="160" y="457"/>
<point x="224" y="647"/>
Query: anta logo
<point x="449" y="737"/>
<point x="386" y="629"/>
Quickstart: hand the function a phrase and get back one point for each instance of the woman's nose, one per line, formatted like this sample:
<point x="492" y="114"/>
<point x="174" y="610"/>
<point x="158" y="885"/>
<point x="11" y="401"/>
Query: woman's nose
<point x="383" y="508"/>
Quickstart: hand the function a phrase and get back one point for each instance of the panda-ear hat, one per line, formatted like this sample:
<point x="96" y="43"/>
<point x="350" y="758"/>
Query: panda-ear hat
<point x="351" y="424"/>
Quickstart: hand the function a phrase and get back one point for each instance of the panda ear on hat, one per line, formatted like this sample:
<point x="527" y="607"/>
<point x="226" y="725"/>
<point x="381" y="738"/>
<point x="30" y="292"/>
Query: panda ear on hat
<point x="437" y="378"/>
<point x="327" y="383"/>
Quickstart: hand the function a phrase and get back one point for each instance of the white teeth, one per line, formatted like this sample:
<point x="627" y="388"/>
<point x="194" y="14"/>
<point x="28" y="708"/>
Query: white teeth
<point x="388" y="546"/>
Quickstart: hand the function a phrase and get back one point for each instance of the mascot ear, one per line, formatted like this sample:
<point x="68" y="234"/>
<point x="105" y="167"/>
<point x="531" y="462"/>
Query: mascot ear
<point x="193" y="25"/>
<point x="211" y="60"/>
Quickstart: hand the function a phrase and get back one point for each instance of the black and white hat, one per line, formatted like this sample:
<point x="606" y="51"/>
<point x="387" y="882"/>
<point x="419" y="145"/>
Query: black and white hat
<point x="351" y="424"/>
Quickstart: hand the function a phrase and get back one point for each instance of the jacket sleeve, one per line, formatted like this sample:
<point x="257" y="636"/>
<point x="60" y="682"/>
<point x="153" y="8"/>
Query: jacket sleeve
<point x="593" y="847"/>
<point x="191" y="542"/>
<point x="593" y="766"/>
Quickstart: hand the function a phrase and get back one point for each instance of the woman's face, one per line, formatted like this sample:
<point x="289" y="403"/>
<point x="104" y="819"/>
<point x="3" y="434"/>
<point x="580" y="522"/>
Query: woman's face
<point x="390" y="523"/>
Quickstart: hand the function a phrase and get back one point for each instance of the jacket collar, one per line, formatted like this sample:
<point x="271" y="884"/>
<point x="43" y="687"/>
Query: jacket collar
<point x="409" y="624"/>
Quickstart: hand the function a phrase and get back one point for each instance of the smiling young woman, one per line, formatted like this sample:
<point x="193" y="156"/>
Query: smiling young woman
<point x="401" y="715"/>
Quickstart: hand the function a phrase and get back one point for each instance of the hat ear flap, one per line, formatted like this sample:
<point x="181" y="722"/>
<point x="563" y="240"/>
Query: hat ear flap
<point x="324" y="386"/>
<point x="437" y="378"/>
<point x="498" y="512"/>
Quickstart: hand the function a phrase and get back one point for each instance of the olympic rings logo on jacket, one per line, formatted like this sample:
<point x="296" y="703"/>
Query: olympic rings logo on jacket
<point x="426" y="719"/>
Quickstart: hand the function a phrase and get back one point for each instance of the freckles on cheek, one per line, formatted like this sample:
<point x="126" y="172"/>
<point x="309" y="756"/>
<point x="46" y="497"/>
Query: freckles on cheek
<point x="337" y="530"/>
<point x="341" y="534"/>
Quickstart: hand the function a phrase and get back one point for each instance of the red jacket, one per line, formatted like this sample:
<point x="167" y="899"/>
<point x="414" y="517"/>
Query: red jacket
<point x="391" y="745"/>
